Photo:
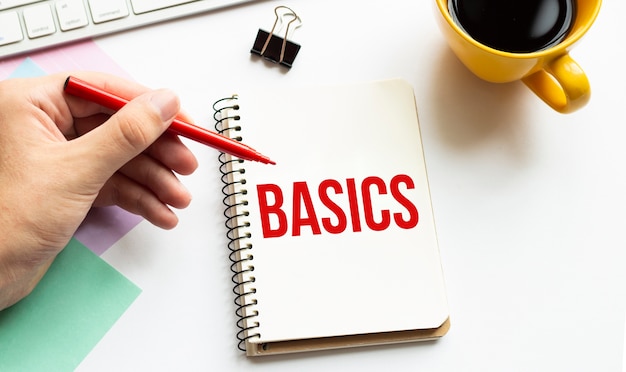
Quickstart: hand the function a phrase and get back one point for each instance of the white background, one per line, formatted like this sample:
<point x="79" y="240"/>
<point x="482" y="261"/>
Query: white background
<point x="529" y="203"/>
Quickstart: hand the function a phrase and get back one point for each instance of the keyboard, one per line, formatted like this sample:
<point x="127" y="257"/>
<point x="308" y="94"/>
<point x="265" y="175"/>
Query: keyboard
<point x="29" y="25"/>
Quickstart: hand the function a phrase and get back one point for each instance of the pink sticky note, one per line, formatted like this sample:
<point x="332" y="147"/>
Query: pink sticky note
<point x="84" y="55"/>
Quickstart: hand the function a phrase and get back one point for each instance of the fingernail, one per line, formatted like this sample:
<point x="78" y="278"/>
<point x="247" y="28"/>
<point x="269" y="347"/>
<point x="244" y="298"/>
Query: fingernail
<point x="184" y="189"/>
<point x="166" y="102"/>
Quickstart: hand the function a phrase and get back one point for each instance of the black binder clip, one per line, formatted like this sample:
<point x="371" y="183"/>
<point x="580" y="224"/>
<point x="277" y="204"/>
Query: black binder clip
<point x="275" y="48"/>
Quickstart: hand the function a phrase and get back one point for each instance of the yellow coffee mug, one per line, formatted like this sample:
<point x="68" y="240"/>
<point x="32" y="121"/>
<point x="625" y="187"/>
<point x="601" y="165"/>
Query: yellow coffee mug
<point x="550" y="73"/>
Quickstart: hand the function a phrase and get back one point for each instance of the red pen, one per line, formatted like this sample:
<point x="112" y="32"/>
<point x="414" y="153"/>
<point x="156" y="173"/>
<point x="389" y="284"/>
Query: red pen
<point x="82" y="89"/>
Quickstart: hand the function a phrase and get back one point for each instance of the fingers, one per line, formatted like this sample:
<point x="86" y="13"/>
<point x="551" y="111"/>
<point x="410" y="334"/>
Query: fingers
<point x="145" y="187"/>
<point x="170" y="151"/>
<point x="158" y="179"/>
<point x="122" y="191"/>
<point x="126" y="134"/>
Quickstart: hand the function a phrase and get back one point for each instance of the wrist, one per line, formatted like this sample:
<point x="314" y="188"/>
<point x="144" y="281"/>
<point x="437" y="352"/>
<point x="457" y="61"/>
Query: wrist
<point x="21" y="268"/>
<point x="18" y="279"/>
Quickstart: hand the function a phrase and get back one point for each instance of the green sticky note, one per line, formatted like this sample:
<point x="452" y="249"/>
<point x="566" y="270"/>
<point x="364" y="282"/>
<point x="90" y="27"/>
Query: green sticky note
<point x="58" y="324"/>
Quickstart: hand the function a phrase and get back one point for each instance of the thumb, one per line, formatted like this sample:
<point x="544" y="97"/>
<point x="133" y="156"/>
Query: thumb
<point x="128" y="132"/>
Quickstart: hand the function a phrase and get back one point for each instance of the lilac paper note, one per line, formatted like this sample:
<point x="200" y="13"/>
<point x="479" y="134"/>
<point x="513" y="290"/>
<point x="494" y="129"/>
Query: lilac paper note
<point x="104" y="226"/>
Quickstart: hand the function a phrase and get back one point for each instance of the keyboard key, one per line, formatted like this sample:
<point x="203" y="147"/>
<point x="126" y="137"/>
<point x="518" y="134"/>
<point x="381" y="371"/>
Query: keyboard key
<point x="6" y="4"/>
<point x="107" y="10"/>
<point x="38" y="20"/>
<point x="144" y="6"/>
<point x="71" y="14"/>
<point x="10" y="28"/>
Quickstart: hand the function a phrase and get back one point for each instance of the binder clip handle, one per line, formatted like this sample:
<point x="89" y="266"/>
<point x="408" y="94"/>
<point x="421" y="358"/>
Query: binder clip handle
<point x="275" y="48"/>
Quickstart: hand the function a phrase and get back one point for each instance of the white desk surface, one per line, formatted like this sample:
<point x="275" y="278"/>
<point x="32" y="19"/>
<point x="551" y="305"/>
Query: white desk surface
<point x="530" y="204"/>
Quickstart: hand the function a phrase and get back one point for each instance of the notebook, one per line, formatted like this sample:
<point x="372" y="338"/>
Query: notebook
<point x="334" y="246"/>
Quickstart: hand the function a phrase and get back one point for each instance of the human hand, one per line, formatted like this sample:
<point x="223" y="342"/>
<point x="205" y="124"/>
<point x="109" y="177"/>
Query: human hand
<point x="61" y="155"/>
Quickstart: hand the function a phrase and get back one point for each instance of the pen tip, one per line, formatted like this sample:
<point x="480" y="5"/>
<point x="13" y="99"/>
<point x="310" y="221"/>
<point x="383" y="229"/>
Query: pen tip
<point x="265" y="159"/>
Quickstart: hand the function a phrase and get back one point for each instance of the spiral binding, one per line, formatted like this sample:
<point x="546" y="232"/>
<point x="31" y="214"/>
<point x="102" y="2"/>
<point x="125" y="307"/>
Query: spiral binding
<point x="237" y="228"/>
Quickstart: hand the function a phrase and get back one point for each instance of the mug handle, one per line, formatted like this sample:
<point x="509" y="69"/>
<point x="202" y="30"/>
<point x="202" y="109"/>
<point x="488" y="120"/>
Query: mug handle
<point x="562" y="84"/>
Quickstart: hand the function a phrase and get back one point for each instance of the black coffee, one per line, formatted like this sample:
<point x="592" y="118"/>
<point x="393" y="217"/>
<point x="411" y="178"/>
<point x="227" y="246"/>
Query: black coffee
<point x="519" y="26"/>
